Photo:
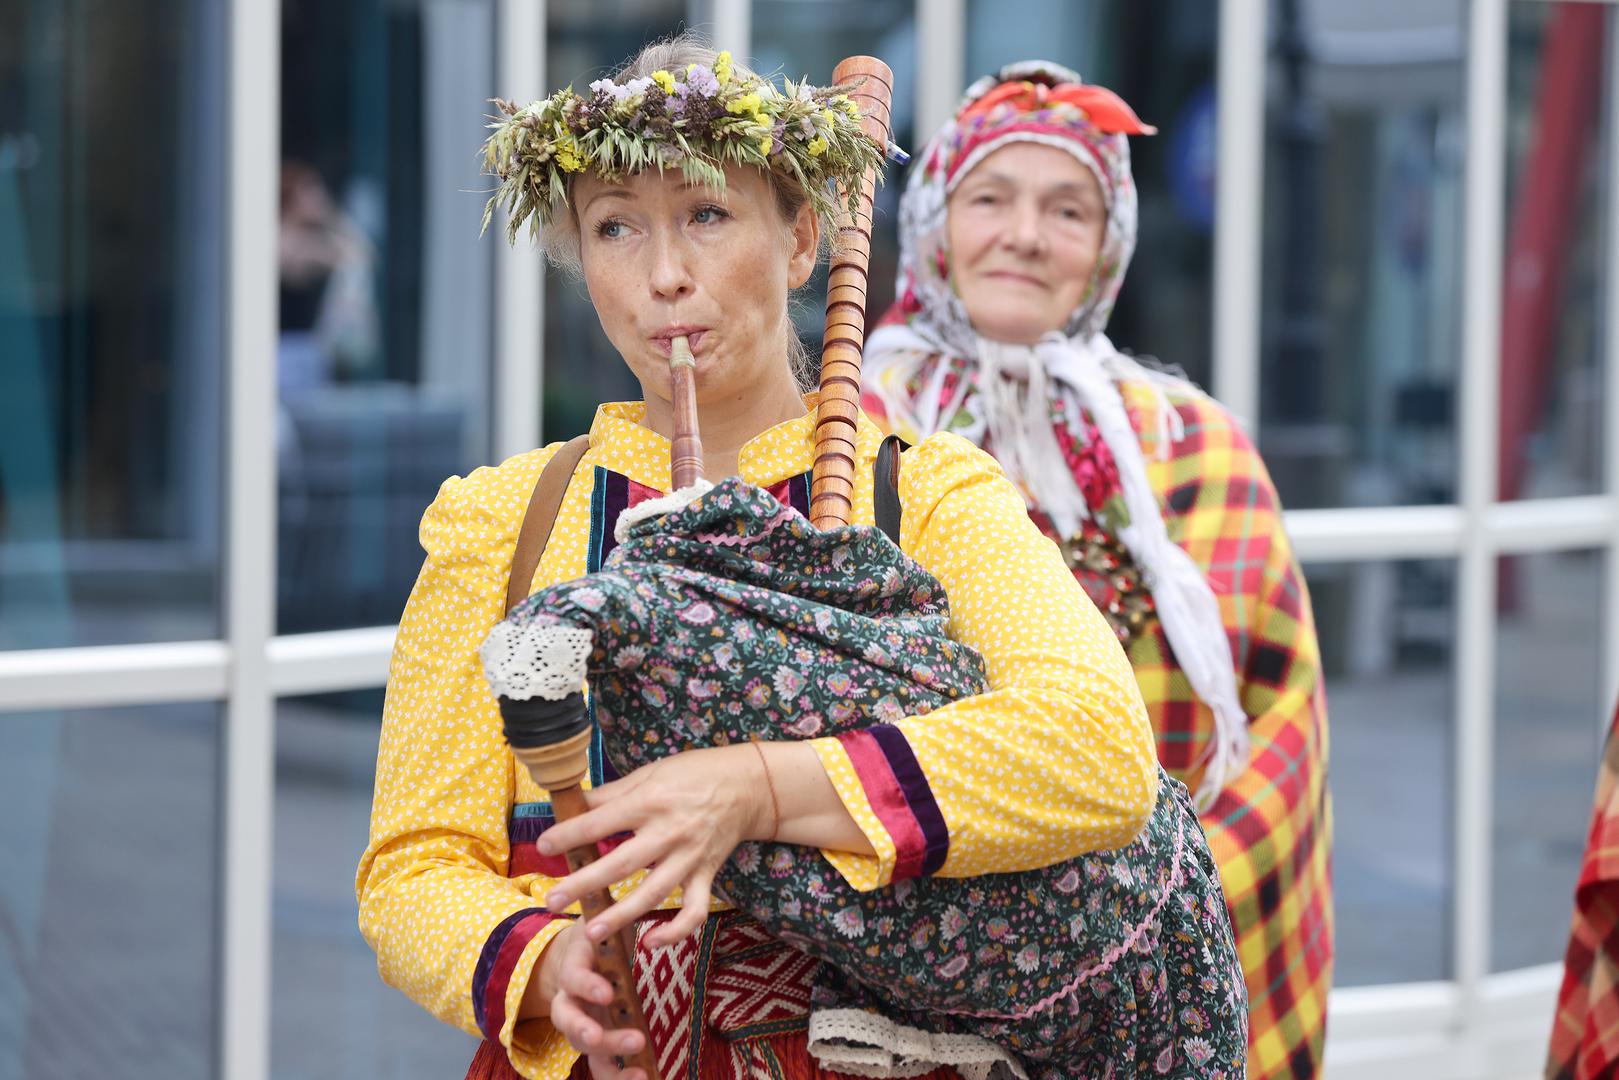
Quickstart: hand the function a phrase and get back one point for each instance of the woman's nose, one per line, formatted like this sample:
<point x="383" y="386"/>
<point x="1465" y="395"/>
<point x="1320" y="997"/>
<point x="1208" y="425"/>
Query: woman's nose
<point x="671" y="270"/>
<point x="1023" y="233"/>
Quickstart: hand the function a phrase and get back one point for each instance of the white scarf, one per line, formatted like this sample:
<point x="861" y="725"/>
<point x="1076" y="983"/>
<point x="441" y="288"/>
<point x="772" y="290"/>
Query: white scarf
<point x="1016" y="385"/>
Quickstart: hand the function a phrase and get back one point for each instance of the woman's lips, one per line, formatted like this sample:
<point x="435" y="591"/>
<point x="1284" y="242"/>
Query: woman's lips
<point x="664" y="340"/>
<point x="1016" y="278"/>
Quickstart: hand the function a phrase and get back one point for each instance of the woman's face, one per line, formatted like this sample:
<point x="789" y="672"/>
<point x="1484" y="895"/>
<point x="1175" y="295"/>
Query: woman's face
<point x="1025" y="231"/>
<point x="662" y="257"/>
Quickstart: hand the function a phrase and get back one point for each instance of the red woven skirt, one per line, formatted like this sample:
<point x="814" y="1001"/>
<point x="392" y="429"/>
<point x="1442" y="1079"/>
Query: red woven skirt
<point x="729" y="1003"/>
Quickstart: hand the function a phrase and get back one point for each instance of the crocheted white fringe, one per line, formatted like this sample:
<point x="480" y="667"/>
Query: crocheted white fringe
<point x="523" y="662"/>
<point x="860" y="1043"/>
<point x="666" y="504"/>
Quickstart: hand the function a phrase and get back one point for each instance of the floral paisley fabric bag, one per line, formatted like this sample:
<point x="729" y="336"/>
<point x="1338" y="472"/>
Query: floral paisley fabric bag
<point x="733" y="618"/>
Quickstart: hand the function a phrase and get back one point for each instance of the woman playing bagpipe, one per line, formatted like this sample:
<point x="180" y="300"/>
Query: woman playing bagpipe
<point x="1017" y="226"/>
<point x="865" y="806"/>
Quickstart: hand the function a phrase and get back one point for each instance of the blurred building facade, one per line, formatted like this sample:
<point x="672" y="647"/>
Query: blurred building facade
<point x="247" y="325"/>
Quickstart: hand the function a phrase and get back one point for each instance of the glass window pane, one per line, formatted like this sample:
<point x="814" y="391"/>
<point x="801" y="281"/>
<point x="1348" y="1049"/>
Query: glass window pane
<point x="1549" y="725"/>
<point x="109" y="837"/>
<point x="1159" y="55"/>
<point x="111" y="301"/>
<point x="1386" y="638"/>
<point x="808" y="40"/>
<point x="586" y="40"/>
<point x="331" y="1015"/>
<point x="1558" y="192"/>
<point x="1361" y="273"/>
<point x="386" y="292"/>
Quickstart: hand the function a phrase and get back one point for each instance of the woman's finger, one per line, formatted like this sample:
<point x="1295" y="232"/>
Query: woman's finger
<point x="636" y="853"/>
<point x="654" y="889"/>
<point x="620" y="815"/>
<point x="569" y="1017"/>
<point x="577" y="977"/>
<point x="617" y="789"/>
<point x="694" y="898"/>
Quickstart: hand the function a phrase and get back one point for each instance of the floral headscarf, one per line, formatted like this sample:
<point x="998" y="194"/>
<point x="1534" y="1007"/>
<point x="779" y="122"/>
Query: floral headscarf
<point x="1021" y="391"/>
<point x="1029" y="102"/>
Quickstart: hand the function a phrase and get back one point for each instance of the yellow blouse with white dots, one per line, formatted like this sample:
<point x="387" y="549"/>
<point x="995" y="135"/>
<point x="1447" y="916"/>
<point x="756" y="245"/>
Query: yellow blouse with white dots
<point x="1054" y="760"/>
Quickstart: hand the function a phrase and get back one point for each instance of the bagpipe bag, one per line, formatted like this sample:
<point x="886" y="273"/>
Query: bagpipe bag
<point x="733" y="618"/>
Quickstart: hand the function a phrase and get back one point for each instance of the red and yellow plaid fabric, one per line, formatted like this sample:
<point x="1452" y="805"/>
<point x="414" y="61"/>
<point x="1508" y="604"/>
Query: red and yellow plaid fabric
<point x="1585" y="1034"/>
<point x="1271" y="829"/>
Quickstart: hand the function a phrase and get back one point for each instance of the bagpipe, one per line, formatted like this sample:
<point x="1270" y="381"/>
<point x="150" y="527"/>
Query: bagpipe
<point x="732" y="618"/>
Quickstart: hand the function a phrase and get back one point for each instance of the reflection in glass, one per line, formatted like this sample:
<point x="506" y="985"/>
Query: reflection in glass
<point x="1548" y="742"/>
<point x="331" y="1015"/>
<point x="111" y="182"/>
<point x="587" y="41"/>
<point x="108" y="898"/>
<point x="1159" y="55"/>
<point x="1552" y="321"/>
<point x="1386" y="631"/>
<point x="384" y="349"/>
<point x="1361" y="272"/>
<point x="808" y="40"/>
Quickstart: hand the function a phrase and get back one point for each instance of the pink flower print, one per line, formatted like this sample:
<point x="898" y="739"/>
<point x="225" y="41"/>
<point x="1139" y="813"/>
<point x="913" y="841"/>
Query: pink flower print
<point x="955" y="966"/>
<point x="788" y="683"/>
<point x="903" y="889"/>
<point x="952" y="922"/>
<point x="889" y="710"/>
<point x="654" y="696"/>
<point x="1166" y="1060"/>
<point x="849" y="922"/>
<point x="781" y="862"/>
<point x="921" y="935"/>
<point x="807" y="726"/>
<point x="1027" y="959"/>
<point x="757" y="694"/>
<point x="664" y="673"/>
<point x="746" y="858"/>
<point x="699" y="614"/>
<point x="1193" y="1018"/>
<point x="998" y="928"/>
<point x="590" y="598"/>
<point x="702" y="689"/>
<point x="629" y="658"/>
<point x="840" y="712"/>
<point x="724" y="657"/>
<point x="792" y="908"/>
<point x="1076" y="927"/>
<point x="1068" y="884"/>
<point x="839" y="683"/>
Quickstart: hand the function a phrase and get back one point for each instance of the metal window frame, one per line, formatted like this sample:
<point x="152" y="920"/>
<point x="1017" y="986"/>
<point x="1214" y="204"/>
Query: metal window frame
<point x="1447" y="1027"/>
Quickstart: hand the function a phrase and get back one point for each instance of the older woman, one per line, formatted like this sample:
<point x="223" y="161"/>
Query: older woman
<point x="1017" y="227"/>
<point x="463" y="892"/>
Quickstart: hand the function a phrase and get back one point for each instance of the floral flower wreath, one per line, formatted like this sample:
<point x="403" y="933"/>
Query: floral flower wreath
<point x="698" y="120"/>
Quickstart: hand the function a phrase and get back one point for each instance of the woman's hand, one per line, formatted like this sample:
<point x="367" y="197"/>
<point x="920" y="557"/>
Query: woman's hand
<point x="687" y="812"/>
<point x="579" y="994"/>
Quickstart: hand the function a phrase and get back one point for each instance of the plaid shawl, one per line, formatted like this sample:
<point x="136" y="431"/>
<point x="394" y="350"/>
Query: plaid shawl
<point x="735" y="618"/>
<point x="1585" y="1034"/>
<point x="1271" y="828"/>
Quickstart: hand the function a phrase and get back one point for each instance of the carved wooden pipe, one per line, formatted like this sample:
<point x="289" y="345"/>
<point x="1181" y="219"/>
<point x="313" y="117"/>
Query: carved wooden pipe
<point x="552" y="738"/>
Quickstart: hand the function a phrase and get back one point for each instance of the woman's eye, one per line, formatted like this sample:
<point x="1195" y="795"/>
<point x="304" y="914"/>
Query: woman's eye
<point x="707" y="215"/>
<point x="611" y="229"/>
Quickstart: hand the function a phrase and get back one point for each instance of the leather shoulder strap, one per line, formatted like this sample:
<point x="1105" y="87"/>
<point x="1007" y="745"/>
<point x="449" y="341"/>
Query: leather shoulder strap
<point x="885" y="486"/>
<point x="541" y="517"/>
